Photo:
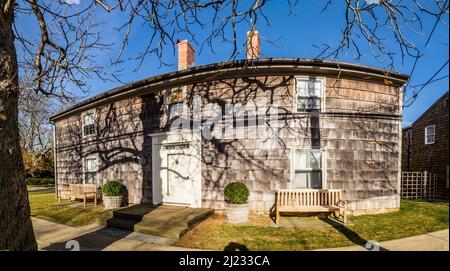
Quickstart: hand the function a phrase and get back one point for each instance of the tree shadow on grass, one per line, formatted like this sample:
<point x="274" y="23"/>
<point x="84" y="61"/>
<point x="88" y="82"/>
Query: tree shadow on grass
<point x="232" y="246"/>
<point x="353" y="236"/>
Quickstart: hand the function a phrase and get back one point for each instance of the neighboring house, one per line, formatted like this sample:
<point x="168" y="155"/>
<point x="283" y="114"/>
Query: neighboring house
<point x="425" y="144"/>
<point x="305" y="124"/>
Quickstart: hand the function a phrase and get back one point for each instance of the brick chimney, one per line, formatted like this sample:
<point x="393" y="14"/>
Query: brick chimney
<point x="253" y="44"/>
<point x="186" y="55"/>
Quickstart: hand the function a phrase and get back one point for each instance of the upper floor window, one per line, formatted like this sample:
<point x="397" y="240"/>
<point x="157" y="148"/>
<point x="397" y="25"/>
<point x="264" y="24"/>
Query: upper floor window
<point x="90" y="170"/>
<point x="89" y="124"/>
<point x="307" y="168"/>
<point x="309" y="94"/>
<point x="174" y="101"/>
<point x="430" y="134"/>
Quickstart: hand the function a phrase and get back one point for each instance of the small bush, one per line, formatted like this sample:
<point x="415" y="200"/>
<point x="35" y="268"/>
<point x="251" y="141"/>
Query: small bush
<point x="40" y="181"/>
<point x="236" y="193"/>
<point x="112" y="189"/>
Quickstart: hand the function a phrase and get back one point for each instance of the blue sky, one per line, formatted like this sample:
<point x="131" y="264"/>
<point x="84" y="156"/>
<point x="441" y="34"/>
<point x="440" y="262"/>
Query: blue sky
<point x="294" y="36"/>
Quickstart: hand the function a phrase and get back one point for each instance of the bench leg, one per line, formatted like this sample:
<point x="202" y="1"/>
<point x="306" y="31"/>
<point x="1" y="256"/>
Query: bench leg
<point x="84" y="201"/>
<point x="95" y="200"/>
<point x="277" y="216"/>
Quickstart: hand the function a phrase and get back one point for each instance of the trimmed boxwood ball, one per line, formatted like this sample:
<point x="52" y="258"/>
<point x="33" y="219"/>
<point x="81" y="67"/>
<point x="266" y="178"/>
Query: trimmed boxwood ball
<point x="112" y="189"/>
<point x="236" y="193"/>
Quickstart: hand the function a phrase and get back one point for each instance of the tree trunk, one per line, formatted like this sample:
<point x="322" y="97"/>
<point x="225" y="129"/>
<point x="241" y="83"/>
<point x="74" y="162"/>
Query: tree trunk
<point x="16" y="229"/>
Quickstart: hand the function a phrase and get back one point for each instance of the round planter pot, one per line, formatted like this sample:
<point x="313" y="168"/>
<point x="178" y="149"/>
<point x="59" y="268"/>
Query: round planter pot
<point x="237" y="213"/>
<point x="112" y="202"/>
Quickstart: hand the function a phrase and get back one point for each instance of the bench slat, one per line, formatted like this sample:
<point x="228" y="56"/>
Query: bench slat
<point x="320" y="208"/>
<point x="309" y="200"/>
<point x="80" y="191"/>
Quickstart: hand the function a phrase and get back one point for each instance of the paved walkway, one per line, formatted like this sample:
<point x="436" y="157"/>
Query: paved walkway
<point x="433" y="241"/>
<point x="57" y="237"/>
<point x="53" y="236"/>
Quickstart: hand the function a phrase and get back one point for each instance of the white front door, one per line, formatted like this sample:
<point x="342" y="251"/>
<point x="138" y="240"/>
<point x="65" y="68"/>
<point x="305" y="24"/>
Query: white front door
<point x="177" y="184"/>
<point x="176" y="170"/>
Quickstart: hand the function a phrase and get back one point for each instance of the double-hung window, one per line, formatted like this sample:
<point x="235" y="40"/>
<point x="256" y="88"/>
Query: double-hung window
<point x="430" y="134"/>
<point x="89" y="124"/>
<point x="307" y="168"/>
<point x="309" y="94"/>
<point x="175" y="101"/>
<point x="90" y="171"/>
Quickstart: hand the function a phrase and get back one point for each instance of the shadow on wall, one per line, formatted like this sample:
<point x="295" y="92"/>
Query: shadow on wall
<point x="122" y="151"/>
<point x="124" y="148"/>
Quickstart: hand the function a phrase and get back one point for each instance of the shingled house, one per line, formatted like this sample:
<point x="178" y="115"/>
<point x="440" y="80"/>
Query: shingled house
<point x="268" y="122"/>
<point x="425" y="144"/>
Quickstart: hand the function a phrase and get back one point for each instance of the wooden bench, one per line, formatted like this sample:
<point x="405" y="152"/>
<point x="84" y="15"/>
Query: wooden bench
<point x="311" y="201"/>
<point x="79" y="191"/>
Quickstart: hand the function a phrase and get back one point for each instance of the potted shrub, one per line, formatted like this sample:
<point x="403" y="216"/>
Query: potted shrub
<point x="112" y="195"/>
<point x="236" y="196"/>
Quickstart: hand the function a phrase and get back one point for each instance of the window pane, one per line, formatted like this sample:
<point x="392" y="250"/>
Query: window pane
<point x="317" y="88"/>
<point x="301" y="104"/>
<point x="90" y="178"/>
<point x="307" y="159"/>
<point x="300" y="180"/>
<point x="88" y="119"/>
<point x="300" y="160"/>
<point x="307" y="180"/>
<point x="311" y="91"/>
<point x="308" y="104"/>
<point x="89" y="129"/>
<point x="301" y="88"/>
<point x="313" y="103"/>
<point x="315" y="180"/>
<point x="315" y="159"/>
<point x="314" y="88"/>
<point x="90" y="165"/>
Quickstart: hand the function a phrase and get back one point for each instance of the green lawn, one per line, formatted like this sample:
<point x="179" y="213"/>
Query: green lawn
<point x="45" y="206"/>
<point x="414" y="217"/>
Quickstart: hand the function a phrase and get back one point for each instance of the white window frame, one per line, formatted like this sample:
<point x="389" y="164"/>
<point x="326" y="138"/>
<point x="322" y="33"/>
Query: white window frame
<point x="83" y="124"/>
<point x="323" y="81"/>
<point x="323" y="169"/>
<point x="168" y="103"/>
<point x="96" y="167"/>
<point x="426" y="134"/>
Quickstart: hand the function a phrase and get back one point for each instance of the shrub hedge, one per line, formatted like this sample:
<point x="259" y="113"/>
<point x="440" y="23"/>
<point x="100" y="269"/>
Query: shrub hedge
<point x="40" y="181"/>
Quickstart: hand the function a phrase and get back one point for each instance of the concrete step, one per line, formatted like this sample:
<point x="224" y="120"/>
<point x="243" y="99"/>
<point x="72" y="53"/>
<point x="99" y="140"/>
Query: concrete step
<point x="121" y="223"/>
<point x="169" y="222"/>
<point x="168" y="230"/>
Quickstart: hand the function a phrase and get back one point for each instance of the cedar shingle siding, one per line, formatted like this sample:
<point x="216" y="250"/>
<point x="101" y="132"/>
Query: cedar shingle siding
<point x="418" y="156"/>
<point x="359" y="130"/>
